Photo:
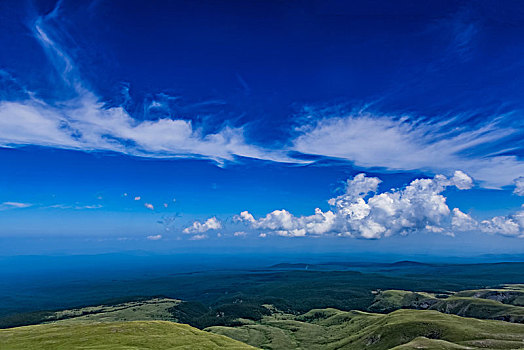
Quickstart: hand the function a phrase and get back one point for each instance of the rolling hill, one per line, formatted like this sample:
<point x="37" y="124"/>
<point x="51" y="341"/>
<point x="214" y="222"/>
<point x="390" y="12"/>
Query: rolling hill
<point x="290" y="310"/>
<point x="401" y="329"/>
<point x="496" y="304"/>
<point x="156" y="335"/>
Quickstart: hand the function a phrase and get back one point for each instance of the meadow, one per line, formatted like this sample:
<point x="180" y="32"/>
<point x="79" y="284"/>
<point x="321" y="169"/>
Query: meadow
<point x="328" y="305"/>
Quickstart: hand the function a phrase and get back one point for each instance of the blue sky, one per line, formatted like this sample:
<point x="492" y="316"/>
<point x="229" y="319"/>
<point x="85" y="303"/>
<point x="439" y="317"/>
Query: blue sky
<point x="326" y="125"/>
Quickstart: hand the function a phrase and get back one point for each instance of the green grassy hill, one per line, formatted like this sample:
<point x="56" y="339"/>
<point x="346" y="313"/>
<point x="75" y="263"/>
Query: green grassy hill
<point x="512" y="294"/>
<point x="480" y="308"/>
<point x="134" y="335"/>
<point x="433" y="344"/>
<point x="391" y="300"/>
<point x="406" y="320"/>
<point x="496" y="304"/>
<point x="139" y="310"/>
<point x="405" y="329"/>
<point x="145" y="310"/>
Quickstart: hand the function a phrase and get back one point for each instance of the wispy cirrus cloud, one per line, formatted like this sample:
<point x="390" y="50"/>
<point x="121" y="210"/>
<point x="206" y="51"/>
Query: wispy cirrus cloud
<point x="14" y="205"/>
<point x="401" y="143"/>
<point x="460" y="29"/>
<point x="154" y="237"/>
<point x="75" y="206"/>
<point x="20" y="205"/>
<point x="198" y="237"/>
<point x="84" y="123"/>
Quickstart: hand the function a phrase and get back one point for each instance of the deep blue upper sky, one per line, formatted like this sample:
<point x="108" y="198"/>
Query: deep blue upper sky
<point x="158" y="123"/>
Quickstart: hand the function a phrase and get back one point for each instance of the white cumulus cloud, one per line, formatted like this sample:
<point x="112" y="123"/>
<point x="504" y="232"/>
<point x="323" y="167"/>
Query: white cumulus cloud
<point x="519" y="186"/>
<point x="463" y="222"/>
<point x="198" y="227"/>
<point x="365" y="213"/>
<point x="149" y="206"/>
<point x="510" y="225"/>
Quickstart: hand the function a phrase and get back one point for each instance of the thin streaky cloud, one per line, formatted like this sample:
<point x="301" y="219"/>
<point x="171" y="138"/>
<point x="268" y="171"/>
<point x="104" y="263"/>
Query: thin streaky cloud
<point x="75" y="207"/>
<point x="380" y="141"/>
<point x="14" y="205"/>
<point x="393" y="143"/>
<point x="154" y="237"/>
<point x="198" y="237"/>
<point x="84" y="123"/>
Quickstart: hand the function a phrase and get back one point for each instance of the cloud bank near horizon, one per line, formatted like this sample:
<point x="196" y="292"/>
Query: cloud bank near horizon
<point x="363" y="212"/>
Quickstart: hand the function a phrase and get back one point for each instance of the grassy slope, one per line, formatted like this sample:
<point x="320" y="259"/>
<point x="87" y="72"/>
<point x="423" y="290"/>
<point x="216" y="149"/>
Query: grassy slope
<point x="334" y="329"/>
<point x="480" y="308"/>
<point x="512" y="294"/>
<point x="139" y="310"/>
<point x="498" y="304"/>
<point x="433" y="344"/>
<point x="156" y="335"/>
<point x="391" y="300"/>
<point x="146" y="310"/>
<point x="317" y="329"/>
